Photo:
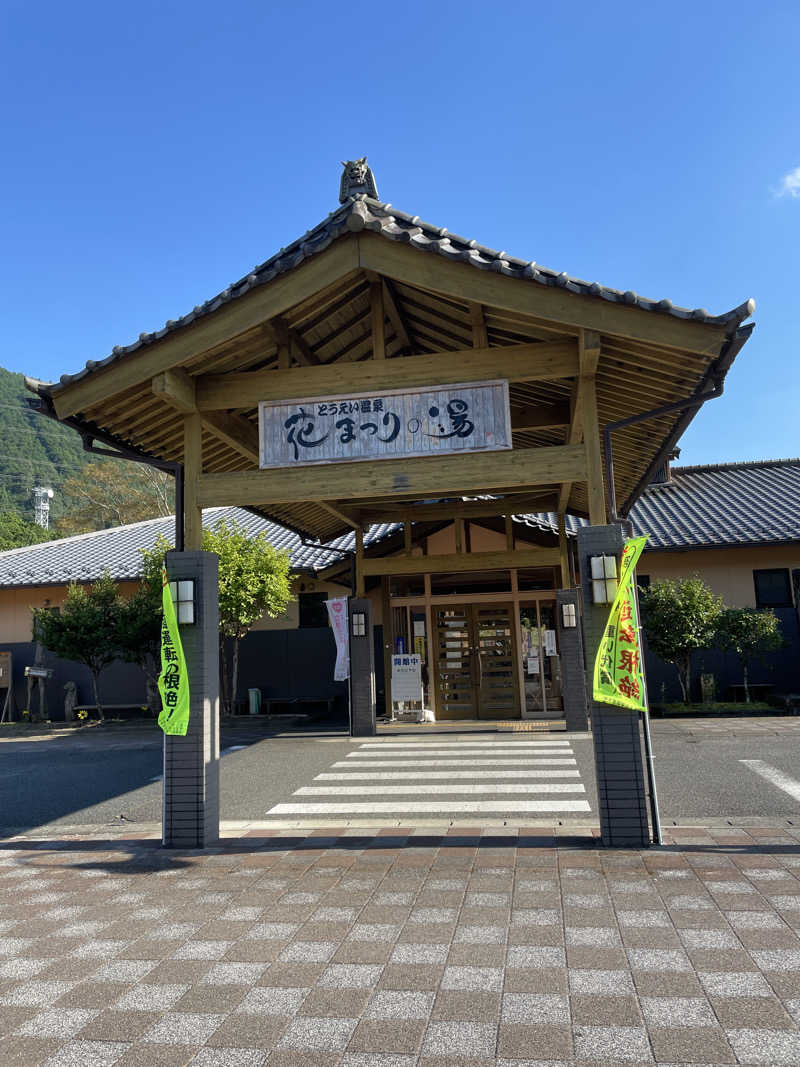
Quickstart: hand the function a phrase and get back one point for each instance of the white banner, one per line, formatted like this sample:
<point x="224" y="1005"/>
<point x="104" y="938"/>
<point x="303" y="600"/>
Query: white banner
<point x="385" y="424"/>
<point x="337" y="614"/>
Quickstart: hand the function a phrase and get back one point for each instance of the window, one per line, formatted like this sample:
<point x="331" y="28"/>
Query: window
<point x="643" y="581"/>
<point x="313" y="612"/>
<point x="773" y="588"/>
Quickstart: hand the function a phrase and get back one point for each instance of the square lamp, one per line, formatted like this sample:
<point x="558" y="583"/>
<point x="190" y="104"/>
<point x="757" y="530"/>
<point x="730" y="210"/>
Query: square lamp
<point x="604" y="579"/>
<point x="359" y="624"/>
<point x="569" y="619"/>
<point x="182" y="593"/>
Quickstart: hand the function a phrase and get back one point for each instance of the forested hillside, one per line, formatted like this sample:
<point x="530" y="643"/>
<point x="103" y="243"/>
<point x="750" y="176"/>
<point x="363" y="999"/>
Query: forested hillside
<point x="33" y="451"/>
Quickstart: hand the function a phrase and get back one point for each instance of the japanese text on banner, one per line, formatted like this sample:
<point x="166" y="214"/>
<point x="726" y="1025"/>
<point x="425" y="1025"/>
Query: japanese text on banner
<point x="618" y="667"/>
<point x="173" y="682"/>
<point x="337" y="616"/>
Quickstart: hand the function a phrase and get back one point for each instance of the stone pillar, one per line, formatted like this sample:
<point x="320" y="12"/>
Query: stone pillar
<point x="190" y="817"/>
<point x="362" y="669"/>
<point x="621" y="790"/>
<point x="573" y="667"/>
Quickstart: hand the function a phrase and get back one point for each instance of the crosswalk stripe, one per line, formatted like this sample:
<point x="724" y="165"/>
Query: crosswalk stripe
<point x="415" y="776"/>
<point x="419" y="807"/>
<point x="466" y="744"/>
<point x="430" y="751"/>
<point x="459" y="763"/>
<point x="450" y="787"/>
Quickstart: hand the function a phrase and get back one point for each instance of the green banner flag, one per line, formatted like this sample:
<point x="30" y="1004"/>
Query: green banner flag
<point x="173" y="682"/>
<point x="618" y="667"/>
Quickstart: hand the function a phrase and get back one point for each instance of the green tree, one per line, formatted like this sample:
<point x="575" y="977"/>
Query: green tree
<point x="139" y="621"/>
<point x="679" y="617"/>
<point x="750" y="634"/>
<point x="253" y="582"/>
<point x="16" y="532"/>
<point x="85" y="629"/>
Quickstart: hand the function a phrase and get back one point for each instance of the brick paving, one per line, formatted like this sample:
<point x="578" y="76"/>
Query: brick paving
<point x="401" y="947"/>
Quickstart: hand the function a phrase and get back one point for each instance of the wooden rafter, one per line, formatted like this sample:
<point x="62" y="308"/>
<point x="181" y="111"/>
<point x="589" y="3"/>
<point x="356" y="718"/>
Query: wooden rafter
<point x="461" y="561"/>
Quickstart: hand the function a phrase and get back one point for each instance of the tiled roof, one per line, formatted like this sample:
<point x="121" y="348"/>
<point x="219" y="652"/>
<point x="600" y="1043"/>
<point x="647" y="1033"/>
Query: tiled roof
<point x="86" y="557"/>
<point x="724" y="504"/>
<point x="363" y="213"/>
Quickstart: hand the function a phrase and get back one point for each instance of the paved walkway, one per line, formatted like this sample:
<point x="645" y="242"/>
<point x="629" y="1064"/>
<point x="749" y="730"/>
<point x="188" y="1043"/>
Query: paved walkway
<point x="398" y="948"/>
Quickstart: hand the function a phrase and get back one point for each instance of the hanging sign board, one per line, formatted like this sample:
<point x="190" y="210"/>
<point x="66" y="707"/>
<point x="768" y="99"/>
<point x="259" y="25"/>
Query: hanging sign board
<point x="388" y="424"/>
<point x="550" y="643"/>
<point x="337" y="616"/>
<point x="406" y="678"/>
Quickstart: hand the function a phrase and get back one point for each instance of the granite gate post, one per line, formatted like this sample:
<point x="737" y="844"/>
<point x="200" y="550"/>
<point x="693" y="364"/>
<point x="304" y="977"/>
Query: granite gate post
<point x="190" y="816"/>
<point x="621" y="792"/>
<point x="362" y="669"/>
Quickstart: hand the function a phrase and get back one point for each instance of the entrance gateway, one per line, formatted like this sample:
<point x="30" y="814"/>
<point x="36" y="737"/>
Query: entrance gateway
<point x="410" y="378"/>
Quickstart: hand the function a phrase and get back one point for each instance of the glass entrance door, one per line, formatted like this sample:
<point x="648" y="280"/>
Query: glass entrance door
<point x="476" y="662"/>
<point x="541" y="664"/>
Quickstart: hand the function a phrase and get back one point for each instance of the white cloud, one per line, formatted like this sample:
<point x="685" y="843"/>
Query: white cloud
<point x="790" y="184"/>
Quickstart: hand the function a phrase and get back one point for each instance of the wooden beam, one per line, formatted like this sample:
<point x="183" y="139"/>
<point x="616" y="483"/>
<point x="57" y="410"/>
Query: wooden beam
<point x="395" y="313"/>
<point x="463" y="282"/>
<point x="260" y="304"/>
<point x="192" y="472"/>
<point x="377" y="317"/>
<point x="235" y="430"/>
<point x="543" y="417"/>
<point x="452" y="509"/>
<point x="459" y="532"/>
<point x="563" y="551"/>
<point x="463" y="561"/>
<point x="594" y="457"/>
<point x="509" y="523"/>
<point x="407" y="540"/>
<point x="518" y="363"/>
<point x="342" y="516"/>
<point x="175" y="388"/>
<point x="420" y="476"/>
<point x="281" y="332"/>
<point x="480" y="335"/>
<point x="589" y="350"/>
<point x="297" y="346"/>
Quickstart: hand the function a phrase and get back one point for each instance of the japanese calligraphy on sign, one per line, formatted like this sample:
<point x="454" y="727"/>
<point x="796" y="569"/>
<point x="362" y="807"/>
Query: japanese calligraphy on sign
<point x="383" y="425"/>
<point x="618" y="667"/>
<point x="173" y="682"/>
<point x="406" y="678"/>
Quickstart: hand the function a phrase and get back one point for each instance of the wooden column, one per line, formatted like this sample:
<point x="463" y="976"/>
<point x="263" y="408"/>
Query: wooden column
<point x="360" y="587"/>
<point x="588" y="357"/>
<point x="386" y="612"/>
<point x="563" y="549"/>
<point x="192" y="469"/>
<point x="509" y="533"/>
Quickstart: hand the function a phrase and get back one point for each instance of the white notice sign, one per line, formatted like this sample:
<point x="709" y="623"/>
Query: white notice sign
<point x="550" y="643"/>
<point x="387" y="424"/>
<point x="406" y="678"/>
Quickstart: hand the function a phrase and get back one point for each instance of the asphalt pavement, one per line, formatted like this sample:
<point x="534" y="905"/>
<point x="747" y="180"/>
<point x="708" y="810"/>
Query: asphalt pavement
<point x="112" y="775"/>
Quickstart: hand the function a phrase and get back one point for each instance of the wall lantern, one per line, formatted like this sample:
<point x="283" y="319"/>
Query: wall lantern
<point x="359" y="624"/>
<point x="604" y="579"/>
<point x="182" y="593"/>
<point x="569" y="619"/>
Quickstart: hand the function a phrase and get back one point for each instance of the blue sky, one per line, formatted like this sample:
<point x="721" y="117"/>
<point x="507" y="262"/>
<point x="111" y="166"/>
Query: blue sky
<point x="155" y="152"/>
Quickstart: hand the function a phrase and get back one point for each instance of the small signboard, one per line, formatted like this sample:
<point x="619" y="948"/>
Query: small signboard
<point x="550" y="643"/>
<point x="387" y="424"/>
<point x="407" y="678"/>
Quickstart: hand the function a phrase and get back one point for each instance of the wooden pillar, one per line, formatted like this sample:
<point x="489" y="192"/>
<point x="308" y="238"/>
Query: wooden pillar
<point x="360" y="586"/>
<point x="563" y="549"/>
<point x="192" y="469"/>
<point x="377" y="313"/>
<point x="388" y="644"/>
<point x="509" y="534"/>
<point x="407" y="536"/>
<point x="589" y="355"/>
<point x="459" y="531"/>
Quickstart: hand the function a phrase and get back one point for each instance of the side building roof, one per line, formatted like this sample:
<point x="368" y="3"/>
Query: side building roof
<point x="714" y="506"/>
<point x="86" y="557"/>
